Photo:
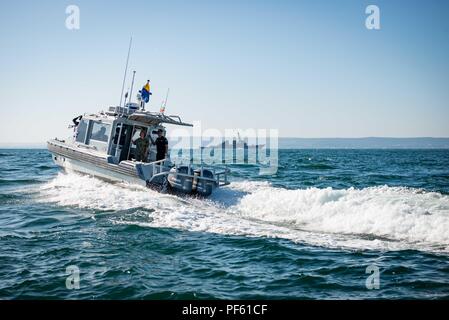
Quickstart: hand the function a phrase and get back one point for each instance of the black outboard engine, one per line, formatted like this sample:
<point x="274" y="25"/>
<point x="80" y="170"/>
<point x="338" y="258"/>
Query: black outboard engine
<point x="201" y="186"/>
<point x="180" y="182"/>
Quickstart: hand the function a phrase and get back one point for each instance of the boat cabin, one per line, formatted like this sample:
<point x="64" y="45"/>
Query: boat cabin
<point x="112" y="133"/>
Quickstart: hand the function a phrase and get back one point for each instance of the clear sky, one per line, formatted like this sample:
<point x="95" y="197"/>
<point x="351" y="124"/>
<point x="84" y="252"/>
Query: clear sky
<point x="307" y="68"/>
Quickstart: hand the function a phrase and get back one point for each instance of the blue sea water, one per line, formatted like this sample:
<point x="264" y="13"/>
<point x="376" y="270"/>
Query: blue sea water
<point x="308" y="232"/>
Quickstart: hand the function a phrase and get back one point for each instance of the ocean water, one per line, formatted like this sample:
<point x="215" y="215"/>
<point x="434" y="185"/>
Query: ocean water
<point x="312" y="231"/>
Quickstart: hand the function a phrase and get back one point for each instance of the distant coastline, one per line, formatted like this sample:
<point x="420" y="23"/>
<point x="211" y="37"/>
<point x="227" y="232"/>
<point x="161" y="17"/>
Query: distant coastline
<point x="364" y="143"/>
<point x="321" y="143"/>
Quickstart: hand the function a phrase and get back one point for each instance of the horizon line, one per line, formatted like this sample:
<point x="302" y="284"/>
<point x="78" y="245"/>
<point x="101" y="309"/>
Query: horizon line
<point x="286" y="137"/>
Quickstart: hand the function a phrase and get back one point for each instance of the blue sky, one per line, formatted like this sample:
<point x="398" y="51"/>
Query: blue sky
<point x="306" y="68"/>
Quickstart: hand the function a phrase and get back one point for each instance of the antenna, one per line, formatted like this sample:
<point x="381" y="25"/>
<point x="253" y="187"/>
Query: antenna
<point x="126" y="69"/>
<point x="164" y="103"/>
<point x="132" y="85"/>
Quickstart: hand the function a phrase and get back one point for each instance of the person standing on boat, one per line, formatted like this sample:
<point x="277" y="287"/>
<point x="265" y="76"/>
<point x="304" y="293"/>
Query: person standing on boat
<point x="76" y="121"/>
<point x="161" y="144"/>
<point x="142" y="145"/>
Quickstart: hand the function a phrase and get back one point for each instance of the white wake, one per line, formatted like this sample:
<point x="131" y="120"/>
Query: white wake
<point x="390" y="218"/>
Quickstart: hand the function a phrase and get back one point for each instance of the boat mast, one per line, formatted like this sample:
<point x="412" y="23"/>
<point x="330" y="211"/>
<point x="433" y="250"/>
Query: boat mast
<point x="126" y="69"/>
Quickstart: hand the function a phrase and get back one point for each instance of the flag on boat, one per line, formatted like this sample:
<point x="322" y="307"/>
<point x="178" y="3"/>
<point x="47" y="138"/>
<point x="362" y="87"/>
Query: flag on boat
<point x="145" y="92"/>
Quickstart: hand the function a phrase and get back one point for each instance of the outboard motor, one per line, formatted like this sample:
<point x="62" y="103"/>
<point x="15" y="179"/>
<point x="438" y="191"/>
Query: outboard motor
<point x="201" y="186"/>
<point x="180" y="182"/>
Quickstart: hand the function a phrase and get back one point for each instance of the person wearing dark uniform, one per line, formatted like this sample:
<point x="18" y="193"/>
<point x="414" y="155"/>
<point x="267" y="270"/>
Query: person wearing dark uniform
<point x="142" y="145"/>
<point x="161" y="144"/>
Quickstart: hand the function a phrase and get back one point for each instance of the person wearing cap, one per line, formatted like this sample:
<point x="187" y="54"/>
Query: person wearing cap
<point x="161" y="144"/>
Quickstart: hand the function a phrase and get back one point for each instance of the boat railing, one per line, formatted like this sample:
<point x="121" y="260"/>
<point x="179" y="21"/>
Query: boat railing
<point x="219" y="171"/>
<point x="220" y="174"/>
<point x="217" y="168"/>
<point x="157" y="166"/>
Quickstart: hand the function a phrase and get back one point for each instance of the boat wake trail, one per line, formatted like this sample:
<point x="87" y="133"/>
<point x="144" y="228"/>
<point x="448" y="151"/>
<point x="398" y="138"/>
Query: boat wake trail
<point x="385" y="218"/>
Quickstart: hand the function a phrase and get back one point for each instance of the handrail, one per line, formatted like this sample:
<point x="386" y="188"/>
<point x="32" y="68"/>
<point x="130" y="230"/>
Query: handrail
<point x="166" y="173"/>
<point x="154" y="166"/>
<point x="216" y="179"/>
<point x="157" y="172"/>
<point x="202" y="164"/>
<point x="173" y="116"/>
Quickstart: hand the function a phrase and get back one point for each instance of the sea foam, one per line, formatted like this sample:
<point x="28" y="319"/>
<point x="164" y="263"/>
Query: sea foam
<point x="387" y="218"/>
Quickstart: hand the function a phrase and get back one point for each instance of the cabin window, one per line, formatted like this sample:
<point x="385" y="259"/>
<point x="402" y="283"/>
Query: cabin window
<point x="99" y="135"/>
<point x="100" y="131"/>
<point x="81" y="131"/>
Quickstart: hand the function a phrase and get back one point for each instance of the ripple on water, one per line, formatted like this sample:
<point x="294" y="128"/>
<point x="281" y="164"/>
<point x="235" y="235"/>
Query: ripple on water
<point x="251" y="240"/>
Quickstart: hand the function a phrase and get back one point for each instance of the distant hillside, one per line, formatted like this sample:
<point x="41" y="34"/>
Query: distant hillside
<point x="364" y="143"/>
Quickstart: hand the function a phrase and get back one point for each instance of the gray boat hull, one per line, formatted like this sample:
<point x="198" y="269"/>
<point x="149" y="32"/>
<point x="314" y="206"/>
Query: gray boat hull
<point x="72" y="160"/>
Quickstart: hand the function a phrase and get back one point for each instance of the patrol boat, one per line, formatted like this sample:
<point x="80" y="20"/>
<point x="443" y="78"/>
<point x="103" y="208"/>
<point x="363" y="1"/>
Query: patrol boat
<point x="102" y="146"/>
